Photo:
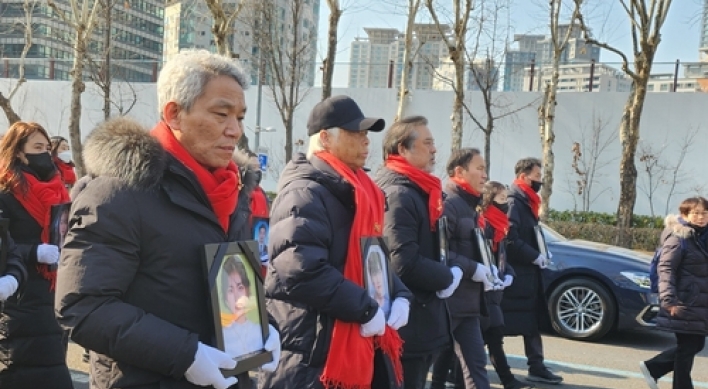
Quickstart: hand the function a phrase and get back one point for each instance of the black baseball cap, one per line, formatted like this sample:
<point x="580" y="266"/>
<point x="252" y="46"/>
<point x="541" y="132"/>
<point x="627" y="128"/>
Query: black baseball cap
<point x="343" y="112"/>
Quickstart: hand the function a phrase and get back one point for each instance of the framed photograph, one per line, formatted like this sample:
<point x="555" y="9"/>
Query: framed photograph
<point x="238" y="303"/>
<point x="541" y="241"/>
<point x="4" y="226"/>
<point x="377" y="273"/>
<point x="443" y="242"/>
<point x="59" y="224"/>
<point x="485" y="252"/>
<point x="261" y="231"/>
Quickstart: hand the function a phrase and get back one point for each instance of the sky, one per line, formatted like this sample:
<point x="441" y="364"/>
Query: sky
<point x="680" y="35"/>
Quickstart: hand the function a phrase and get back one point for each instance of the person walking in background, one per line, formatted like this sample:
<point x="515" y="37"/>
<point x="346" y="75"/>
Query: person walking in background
<point x="61" y="153"/>
<point x="32" y="349"/>
<point x="149" y="203"/>
<point x="414" y="198"/>
<point x="493" y="210"/>
<point x="683" y="293"/>
<point x="524" y="300"/>
<point x="335" y="335"/>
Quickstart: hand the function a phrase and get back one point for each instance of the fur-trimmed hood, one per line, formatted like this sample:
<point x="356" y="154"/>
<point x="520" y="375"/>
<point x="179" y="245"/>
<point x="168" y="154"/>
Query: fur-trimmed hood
<point x="677" y="226"/>
<point x="124" y="149"/>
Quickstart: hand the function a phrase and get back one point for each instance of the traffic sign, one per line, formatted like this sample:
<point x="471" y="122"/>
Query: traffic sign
<point x="263" y="161"/>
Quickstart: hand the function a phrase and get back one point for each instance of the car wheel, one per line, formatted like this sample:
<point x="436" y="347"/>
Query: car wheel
<point x="582" y="309"/>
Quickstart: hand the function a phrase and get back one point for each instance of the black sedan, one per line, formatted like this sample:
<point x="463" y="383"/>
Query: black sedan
<point x="594" y="288"/>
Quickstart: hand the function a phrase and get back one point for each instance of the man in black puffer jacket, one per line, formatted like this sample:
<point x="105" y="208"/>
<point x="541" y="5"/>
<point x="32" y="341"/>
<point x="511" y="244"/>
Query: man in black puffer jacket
<point x="307" y="288"/>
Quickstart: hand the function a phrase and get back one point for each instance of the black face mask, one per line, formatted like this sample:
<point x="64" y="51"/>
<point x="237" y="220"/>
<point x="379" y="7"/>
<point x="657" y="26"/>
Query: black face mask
<point x="504" y="207"/>
<point x="536" y="185"/>
<point x="42" y="164"/>
<point x="259" y="176"/>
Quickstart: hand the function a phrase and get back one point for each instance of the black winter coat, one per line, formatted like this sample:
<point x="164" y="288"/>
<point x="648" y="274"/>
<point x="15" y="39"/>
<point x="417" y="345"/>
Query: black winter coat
<point x="415" y="257"/>
<point x="131" y="285"/>
<point x="524" y="298"/>
<point x="683" y="280"/>
<point x="493" y="298"/>
<point x="461" y="213"/>
<point x="32" y="351"/>
<point x="311" y="220"/>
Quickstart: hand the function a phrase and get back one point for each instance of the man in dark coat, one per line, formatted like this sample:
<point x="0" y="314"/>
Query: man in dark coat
<point x="315" y="244"/>
<point x="131" y="286"/>
<point x="414" y="198"/>
<point x="524" y="300"/>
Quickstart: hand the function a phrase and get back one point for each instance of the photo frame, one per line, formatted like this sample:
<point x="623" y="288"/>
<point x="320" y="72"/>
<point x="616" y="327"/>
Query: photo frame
<point x="260" y="228"/>
<point x="541" y="241"/>
<point x="237" y="303"/>
<point x="4" y="239"/>
<point x="485" y="252"/>
<point x="378" y="279"/>
<point x="59" y="224"/>
<point x="443" y="241"/>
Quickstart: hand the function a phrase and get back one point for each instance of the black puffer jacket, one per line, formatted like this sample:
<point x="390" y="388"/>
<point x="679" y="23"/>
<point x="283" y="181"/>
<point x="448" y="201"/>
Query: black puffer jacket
<point x="523" y="299"/>
<point x="683" y="279"/>
<point x="311" y="220"/>
<point x="414" y="256"/>
<point x="461" y="213"/>
<point x="493" y="298"/>
<point x="131" y="285"/>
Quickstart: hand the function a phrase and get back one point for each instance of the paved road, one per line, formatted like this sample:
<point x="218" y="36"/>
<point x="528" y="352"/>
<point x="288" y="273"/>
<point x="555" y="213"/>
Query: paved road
<point x="612" y="364"/>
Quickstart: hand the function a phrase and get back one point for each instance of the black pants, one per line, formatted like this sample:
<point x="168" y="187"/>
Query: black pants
<point x="447" y="369"/>
<point x="533" y="347"/>
<point x="494" y="339"/>
<point x="678" y="359"/>
<point x="415" y="369"/>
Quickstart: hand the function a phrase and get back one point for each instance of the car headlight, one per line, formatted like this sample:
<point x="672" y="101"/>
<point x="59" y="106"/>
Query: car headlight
<point x="638" y="278"/>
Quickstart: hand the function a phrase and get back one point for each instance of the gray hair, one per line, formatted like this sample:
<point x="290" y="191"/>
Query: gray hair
<point x="316" y="145"/>
<point x="184" y="77"/>
<point x="403" y="132"/>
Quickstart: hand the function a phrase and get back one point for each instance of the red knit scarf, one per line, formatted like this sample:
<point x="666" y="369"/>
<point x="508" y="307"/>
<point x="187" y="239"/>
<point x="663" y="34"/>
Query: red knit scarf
<point x="426" y="181"/>
<point x="66" y="170"/>
<point x="259" y="204"/>
<point x="350" y="362"/>
<point x="465" y="186"/>
<point x="220" y="185"/>
<point x="38" y="201"/>
<point x="534" y="198"/>
<point x="499" y="221"/>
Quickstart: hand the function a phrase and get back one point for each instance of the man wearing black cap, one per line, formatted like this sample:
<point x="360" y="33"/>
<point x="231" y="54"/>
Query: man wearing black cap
<point x="334" y="334"/>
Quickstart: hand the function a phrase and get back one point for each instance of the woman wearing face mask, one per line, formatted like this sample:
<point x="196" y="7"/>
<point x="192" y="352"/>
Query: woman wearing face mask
<point x="31" y="344"/>
<point x="61" y="154"/>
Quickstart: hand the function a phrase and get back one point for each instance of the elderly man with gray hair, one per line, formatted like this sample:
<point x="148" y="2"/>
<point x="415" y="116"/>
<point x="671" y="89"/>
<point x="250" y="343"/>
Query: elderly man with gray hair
<point x="130" y="285"/>
<point x="335" y="334"/>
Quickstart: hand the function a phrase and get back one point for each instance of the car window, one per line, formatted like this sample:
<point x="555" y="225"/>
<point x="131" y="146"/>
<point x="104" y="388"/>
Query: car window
<point x="552" y="235"/>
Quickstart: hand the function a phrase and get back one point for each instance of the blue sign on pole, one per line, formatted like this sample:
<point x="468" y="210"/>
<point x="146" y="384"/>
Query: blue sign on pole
<point x="263" y="161"/>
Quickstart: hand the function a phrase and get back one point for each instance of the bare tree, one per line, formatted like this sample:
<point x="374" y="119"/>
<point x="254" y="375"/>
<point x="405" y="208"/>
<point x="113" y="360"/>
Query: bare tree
<point x="675" y="171"/>
<point x="82" y="20"/>
<point x="28" y="7"/>
<point x="284" y="46"/>
<point x="646" y="19"/>
<point x="456" y="46"/>
<point x="335" y="12"/>
<point x="403" y="90"/>
<point x="547" y="110"/>
<point x="654" y="172"/>
<point x="224" y="15"/>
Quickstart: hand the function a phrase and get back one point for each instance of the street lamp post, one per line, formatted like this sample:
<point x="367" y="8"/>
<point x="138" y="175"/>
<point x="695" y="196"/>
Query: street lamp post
<point x="258" y="131"/>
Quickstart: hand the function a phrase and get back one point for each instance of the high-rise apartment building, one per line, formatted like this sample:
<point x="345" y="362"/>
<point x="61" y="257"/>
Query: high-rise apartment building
<point x="579" y="78"/>
<point x="703" y="45"/>
<point x="135" y="33"/>
<point x="483" y="72"/>
<point x="188" y="25"/>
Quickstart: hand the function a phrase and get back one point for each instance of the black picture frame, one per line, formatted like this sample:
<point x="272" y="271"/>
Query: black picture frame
<point x="250" y="356"/>
<point x="541" y="241"/>
<point x="4" y="239"/>
<point x="59" y="223"/>
<point x="376" y="260"/>
<point x="485" y="252"/>
<point x="443" y="241"/>
<point x="260" y="228"/>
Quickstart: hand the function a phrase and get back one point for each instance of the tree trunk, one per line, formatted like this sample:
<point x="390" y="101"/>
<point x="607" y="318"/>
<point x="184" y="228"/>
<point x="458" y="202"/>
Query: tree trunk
<point x="548" y="138"/>
<point x="289" y="134"/>
<point x="404" y="86"/>
<point x="220" y="31"/>
<point x="77" y="88"/>
<point x="10" y="113"/>
<point x="629" y="137"/>
<point x="456" y="117"/>
<point x="106" y="87"/>
<point x="328" y="64"/>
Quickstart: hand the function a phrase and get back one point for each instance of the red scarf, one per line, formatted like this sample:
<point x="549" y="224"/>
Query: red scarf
<point x="499" y="221"/>
<point x="350" y="362"/>
<point x="220" y="185"/>
<point x="465" y="186"/>
<point x="38" y="203"/>
<point x="426" y="181"/>
<point x="259" y="203"/>
<point x="534" y="198"/>
<point x="66" y="170"/>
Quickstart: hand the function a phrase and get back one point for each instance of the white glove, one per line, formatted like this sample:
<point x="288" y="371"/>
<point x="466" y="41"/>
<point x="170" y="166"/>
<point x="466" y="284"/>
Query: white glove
<point x="456" y="278"/>
<point x="508" y="280"/>
<point x="204" y="371"/>
<point x="541" y="261"/>
<point x="550" y="255"/>
<point x="8" y="287"/>
<point x="483" y="275"/>
<point x="399" y="313"/>
<point x="495" y="271"/>
<point x="272" y="344"/>
<point x="47" y="253"/>
<point x="375" y="326"/>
